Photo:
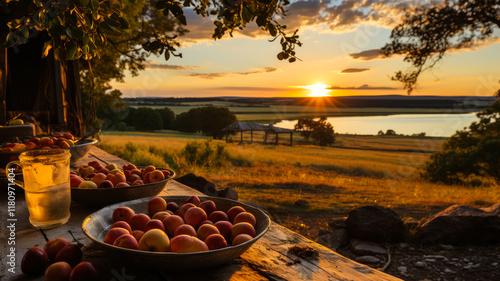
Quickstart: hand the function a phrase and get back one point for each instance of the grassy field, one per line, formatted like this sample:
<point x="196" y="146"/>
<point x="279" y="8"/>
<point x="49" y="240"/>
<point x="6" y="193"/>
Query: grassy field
<point x="359" y="170"/>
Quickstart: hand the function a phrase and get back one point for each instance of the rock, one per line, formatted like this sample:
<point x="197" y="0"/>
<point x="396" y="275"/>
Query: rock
<point x="402" y="269"/>
<point x="335" y="239"/>
<point x="301" y="203"/>
<point x="198" y="183"/>
<point x="462" y="225"/>
<point x="446" y="247"/>
<point x="228" y="193"/>
<point x="375" y="223"/>
<point x="367" y="259"/>
<point x="338" y="223"/>
<point x="360" y="248"/>
<point x="420" y="264"/>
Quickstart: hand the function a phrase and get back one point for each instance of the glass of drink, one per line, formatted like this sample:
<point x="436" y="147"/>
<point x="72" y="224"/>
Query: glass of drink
<point x="46" y="185"/>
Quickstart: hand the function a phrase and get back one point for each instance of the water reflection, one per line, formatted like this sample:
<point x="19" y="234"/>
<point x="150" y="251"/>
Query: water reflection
<point x="439" y="125"/>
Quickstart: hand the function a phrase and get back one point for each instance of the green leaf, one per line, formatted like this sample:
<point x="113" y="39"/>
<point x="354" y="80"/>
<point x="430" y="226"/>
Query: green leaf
<point x="71" y="48"/>
<point x="11" y="39"/>
<point x="182" y="19"/>
<point x="246" y="15"/>
<point x="175" y="9"/>
<point x="56" y="30"/>
<point x="272" y="29"/>
<point x="85" y="40"/>
<point x="292" y="60"/>
<point x="111" y="22"/>
<point x="74" y="32"/>
<point x="46" y="48"/>
<point x="123" y="23"/>
<point x="25" y="32"/>
<point x="167" y="55"/>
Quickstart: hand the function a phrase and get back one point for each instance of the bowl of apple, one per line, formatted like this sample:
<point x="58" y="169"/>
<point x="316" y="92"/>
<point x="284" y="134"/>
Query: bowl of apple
<point x="177" y="233"/>
<point x="10" y="151"/>
<point x="96" y="185"/>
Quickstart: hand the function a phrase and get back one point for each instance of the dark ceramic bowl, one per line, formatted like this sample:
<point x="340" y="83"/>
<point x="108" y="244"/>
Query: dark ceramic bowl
<point x="105" y="196"/>
<point x="97" y="225"/>
<point x="77" y="152"/>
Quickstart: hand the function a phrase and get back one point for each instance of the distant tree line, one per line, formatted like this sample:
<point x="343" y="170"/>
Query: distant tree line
<point x="209" y="120"/>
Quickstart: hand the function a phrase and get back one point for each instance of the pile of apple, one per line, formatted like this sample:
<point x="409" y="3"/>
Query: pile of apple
<point x="58" y="141"/>
<point x="67" y="262"/>
<point x="94" y="175"/>
<point x="194" y="226"/>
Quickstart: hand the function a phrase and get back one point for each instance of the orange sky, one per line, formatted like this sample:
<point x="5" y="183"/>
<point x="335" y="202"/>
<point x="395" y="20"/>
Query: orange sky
<point x="340" y="51"/>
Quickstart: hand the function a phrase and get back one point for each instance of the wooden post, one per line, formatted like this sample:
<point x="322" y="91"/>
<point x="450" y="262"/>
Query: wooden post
<point x="251" y="136"/>
<point x="241" y="141"/>
<point x="227" y="136"/>
<point x="291" y="139"/>
<point x="265" y="137"/>
<point x="276" y="138"/>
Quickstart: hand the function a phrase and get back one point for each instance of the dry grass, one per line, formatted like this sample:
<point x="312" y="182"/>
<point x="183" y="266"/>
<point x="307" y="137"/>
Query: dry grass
<point x="332" y="180"/>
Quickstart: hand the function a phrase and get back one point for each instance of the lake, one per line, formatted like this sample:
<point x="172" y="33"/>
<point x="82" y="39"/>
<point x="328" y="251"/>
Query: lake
<point x="438" y="125"/>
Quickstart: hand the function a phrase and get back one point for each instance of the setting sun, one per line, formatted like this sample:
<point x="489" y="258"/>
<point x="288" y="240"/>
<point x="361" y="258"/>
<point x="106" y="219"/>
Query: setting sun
<point x="318" y="90"/>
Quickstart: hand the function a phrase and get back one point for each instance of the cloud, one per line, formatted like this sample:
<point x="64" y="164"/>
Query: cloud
<point x="362" y="87"/>
<point x="219" y="74"/>
<point x="163" y="66"/>
<point x="367" y="55"/>
<point x="354" y="70"/>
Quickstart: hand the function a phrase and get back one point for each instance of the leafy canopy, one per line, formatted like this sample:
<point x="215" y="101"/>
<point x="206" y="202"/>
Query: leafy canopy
<point x="426" y="34"/>
<point x="321" y="131"/>
<point x="80" y="28"/>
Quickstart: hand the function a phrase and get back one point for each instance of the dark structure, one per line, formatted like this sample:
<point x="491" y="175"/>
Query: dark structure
<point x="252" y="127"/>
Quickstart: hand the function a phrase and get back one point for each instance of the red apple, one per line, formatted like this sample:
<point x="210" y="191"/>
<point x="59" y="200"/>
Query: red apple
<point x="122" y="184"/>
<point x="138" y="221"/>
<point x="241" y="238"/>
<point x="129" y="167"/>
<point x="171" y="223"/>
<point x="75" y="180"/>
<point x="59" y="271"/>
<point x="172" y="206"/>
<point x="69" y="136"/>
<point x="215" y="241"/>
<point x="245" y="217"/>
<point x="133" y="177"/>
<point x="63" y="144"/>
<point x="84" y="271"/>
<point x="166" y="173"/>
<point x="30" y="145"/>
<point x="145" y="177"/>
<point x="182" y="210"/>
<point x="126" y="241"/>
<point x="194" y="200"/>
<point x="34" y="261"/>
<point x="161" y="215"/>
<point x="137" y="182"/>
<point x="208" y="206"/>
<point x="136" y="172"/>
<point x="70" y="253"/>
<point x="185" y="229"/>
<point x="122" y="224"/>
<point x="52" y="247"/>
<point x="154" y="224"/>
<point x="156" y="176"/>
<point x="98" y="178"/>
<point x="224" y="228"/>
<point x="218" y="216"/>
<point x="122" y="214"/>
<point x="156" y="204"/>
<point x="105" y="184"/>
<point x="154" y="240"/>
<point x="234" y="211"/>
<point x="187" y="244"/>
<point x="206" y="230"/>
<point x="194" y="216"/>
<point x="114" y="233"/>
<point x="137" y="234"/>
<point x="242" y="228"/>
<point x="147" y="170"/>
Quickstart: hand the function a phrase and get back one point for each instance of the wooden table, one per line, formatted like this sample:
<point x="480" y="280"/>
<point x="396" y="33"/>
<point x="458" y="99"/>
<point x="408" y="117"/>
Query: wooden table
<point x="267" y="259"/>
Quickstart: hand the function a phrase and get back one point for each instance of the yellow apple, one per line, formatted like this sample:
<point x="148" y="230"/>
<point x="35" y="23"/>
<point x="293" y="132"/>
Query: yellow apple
<point x="154" y="240"/>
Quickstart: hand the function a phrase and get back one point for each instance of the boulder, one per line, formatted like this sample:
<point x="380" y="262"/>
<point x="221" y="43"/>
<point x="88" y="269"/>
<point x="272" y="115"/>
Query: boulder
<point x="198" y="183"/>
<point x="375" y="223"/>
<point x="462" y="225"/>
<point x="337" y="223"/>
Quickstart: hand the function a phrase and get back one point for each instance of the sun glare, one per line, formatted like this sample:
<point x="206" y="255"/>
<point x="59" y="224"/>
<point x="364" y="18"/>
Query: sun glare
<point x="318" y="90"/>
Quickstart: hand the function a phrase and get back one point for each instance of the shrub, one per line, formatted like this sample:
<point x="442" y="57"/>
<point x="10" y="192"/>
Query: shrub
<point x="202" y="155"/>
